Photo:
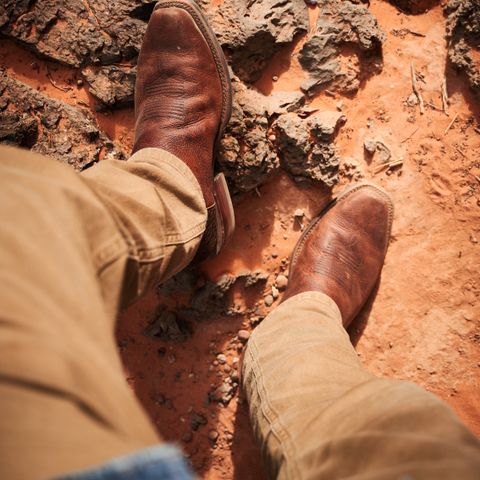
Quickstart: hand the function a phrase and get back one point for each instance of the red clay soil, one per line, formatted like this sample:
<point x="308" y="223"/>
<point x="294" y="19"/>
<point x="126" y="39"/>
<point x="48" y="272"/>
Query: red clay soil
<point x="423" y="324"/>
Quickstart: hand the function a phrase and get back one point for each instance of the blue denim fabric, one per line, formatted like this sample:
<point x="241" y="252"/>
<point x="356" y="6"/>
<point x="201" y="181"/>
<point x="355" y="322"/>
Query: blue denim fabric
<point x="164" y="462"/>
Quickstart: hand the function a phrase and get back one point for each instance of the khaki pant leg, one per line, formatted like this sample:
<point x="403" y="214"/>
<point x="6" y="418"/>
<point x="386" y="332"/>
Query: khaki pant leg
<point x="319" y="415"/>
<point x="72" y="247"/>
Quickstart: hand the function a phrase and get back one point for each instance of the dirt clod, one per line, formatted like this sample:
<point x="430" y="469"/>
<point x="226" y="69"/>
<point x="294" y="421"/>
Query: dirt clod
<point x="345" y="47"/>
<point x="51" y="127"/>
<point x="114" y="86"/>
<point x="254" y="31"/>
<point x="463" y="35"/>
<point x="168" y="326"/>
<point x="308" y="160"/>
<point x="197" y="421"/>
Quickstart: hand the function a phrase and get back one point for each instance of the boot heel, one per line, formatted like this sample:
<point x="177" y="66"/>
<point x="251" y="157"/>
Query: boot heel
<point x="224" y="212"/>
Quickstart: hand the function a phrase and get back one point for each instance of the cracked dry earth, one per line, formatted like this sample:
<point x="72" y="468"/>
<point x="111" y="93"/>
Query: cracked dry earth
<point x="323" y="97"/>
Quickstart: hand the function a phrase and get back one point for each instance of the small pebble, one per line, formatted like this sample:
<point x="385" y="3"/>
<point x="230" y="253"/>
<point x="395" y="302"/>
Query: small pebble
<point x="281" y="282"/>
<point x="213" y="435"/>
<point x="222" y="359"/>
<point x="268" y="300"/>
<point x="243" y="335"/>
<point x="298" y="213"/>
<point x="272" y="137"/>
<point x="275" y="78"/>
<point x="275" y="292"/>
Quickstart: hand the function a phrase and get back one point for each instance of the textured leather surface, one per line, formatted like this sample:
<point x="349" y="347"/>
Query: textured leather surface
<point x="179" y="95"/>
<point x="342" y="252"/>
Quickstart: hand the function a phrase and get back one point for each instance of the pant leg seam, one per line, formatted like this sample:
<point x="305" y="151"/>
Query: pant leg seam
<point x="279" y="430"/>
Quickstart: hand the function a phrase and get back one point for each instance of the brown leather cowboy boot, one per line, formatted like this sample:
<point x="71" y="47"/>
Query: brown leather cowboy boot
<point x="183" y="104"/>
<point x="341" y="253"/>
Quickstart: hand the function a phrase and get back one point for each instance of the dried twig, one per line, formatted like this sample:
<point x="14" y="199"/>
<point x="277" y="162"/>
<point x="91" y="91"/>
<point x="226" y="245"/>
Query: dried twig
<point x="52" y="81"/>
<point x="450" y="124"/>
<point x="389" y="165"/>
<point x="415" y="34"/>
<point x="430" y="104"/>
<point x="416" y="91"/>
<point x="460" y="152"/>
<point x="410" y="136"/>
<point x="445" y="100"/>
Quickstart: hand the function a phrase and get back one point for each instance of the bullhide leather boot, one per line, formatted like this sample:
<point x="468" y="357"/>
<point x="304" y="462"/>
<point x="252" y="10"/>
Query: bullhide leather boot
<point x="183" y="104"/>
<point x="342" y="251"/>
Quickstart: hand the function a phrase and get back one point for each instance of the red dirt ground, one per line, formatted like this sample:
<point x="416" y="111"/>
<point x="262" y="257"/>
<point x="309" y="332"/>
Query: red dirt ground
<point x="423" y="324"/>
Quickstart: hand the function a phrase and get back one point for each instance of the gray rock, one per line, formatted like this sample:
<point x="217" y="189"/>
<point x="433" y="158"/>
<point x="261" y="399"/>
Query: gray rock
<point x="268" y="300"/>
<point x="275" y="292"/>
<point x="384" y="152"/>
<point x="223" y="394"/>
<point x="243" y="335"/>
<point x="341" y="23"/>
<point x="370" y="145"/>
<point x="222" y="359"/>
<point x="281" y="282"/>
